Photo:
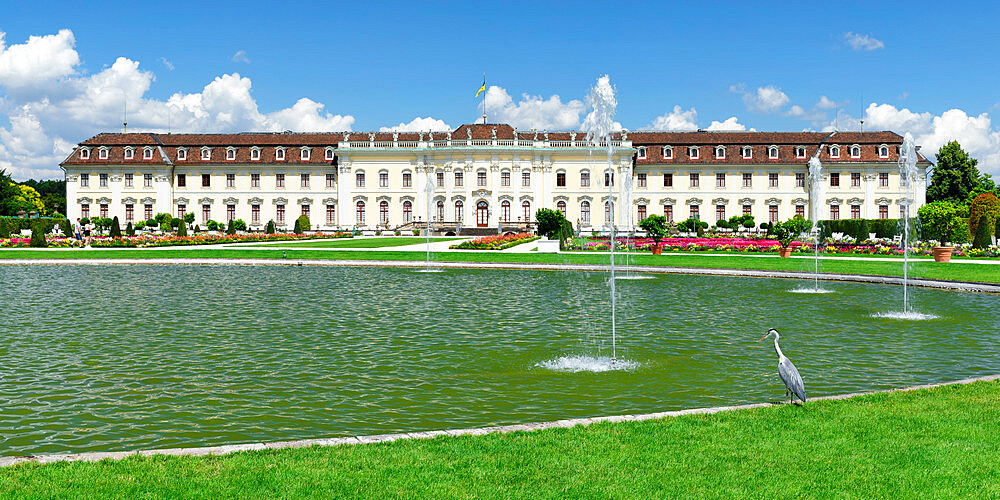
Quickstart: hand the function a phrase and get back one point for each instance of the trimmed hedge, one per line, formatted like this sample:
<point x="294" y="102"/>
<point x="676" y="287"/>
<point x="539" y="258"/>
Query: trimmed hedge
<point x="883" y="228"/>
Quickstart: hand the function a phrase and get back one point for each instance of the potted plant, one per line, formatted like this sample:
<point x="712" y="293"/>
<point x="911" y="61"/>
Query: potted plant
<point x="785" y="238"/>
<point x="941" y="220"/>
<point x="656" y="227"/>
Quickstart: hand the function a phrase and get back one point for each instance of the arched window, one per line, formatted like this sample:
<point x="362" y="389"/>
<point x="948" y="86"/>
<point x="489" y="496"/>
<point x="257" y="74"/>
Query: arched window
<point x="383" y="212"/>
<point x="720" y="152"/>
<point x="855" y="151"/>
<point x="883" y="151"/>
<point x="585" y="211"/>
<point x="642" y="152"/>
<point x="561" y="206"/>
<point x="440" y="210"/>
<point x="527" y="210"/>
<point x="505" y="211"/>
<point x="772" y="152"/>
<point x="459" y="208"/>
<point x="407" y="211"/>
<point x="834" y="151"/>
<point x="361" y="212"/>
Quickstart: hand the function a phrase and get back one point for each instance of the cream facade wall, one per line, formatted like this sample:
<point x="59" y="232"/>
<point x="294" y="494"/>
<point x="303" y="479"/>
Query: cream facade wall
<point x="492" y="177"/>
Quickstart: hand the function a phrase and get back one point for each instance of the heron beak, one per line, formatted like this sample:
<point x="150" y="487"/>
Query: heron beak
<point x="764" y="337"/>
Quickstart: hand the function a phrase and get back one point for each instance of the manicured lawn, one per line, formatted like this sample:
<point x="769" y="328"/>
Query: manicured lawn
<point x="923" y="444"/>
<point x="378" y="242"/>
<point x="922" y="268"/>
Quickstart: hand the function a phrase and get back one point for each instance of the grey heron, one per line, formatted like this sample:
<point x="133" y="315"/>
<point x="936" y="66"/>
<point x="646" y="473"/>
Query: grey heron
<point x="787" y="371"/>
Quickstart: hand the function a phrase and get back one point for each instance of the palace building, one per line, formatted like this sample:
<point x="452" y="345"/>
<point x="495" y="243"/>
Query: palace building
<point x="484" y="176"/>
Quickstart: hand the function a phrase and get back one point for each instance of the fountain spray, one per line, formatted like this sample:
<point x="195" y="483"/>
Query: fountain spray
<point x="815" y="197"/>
<point x="599" y="124"/>
<point x="907" y="163"/>
<point x="429" y="191"/>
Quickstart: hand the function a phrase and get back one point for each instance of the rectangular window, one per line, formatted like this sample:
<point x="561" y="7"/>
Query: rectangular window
<point x="525" y="178"/>
<point x="641" y="212"/>
<point x="747" y="180"/>
<point x="182" y="154"/>
<point x="459" y="178"/>
<point x="104" y="210"/>
<point x="668" y="212"/>
<point x="747" y="209"/>
<point x="181" y="180"/>
<point x="359" y="180"/>
<point x="883" y="211"/>
<point x="84" y="210"/>
<point x="129" y="212"/>
<point x="181" y="210"/>
<point x="304" y="181"/>
<point x="694" y="180"/>
<point x="147" y="211"/>
<point x="834" y="212"/>
<point x="230" y="180"/>
<point x="668" y="180"/>
<point x="279" y="181"/>
<point x="440" y="179"/>
<point x="230" y="212"/>
<point x="883" y="179"/>
<point x="609" y="179"/>
<point x="720" y="180"/>
<point x="103" y="180"/>
<point x="834" y="179"/>
<point x="855" y="211"/>
<point x="584" y="179"/>
<point x="206" y="180"/>
<point x="561" y="179"/>
<point x="772" y="180"/>
<point x="693" y="212"/>
<point x="304" y="210"/>
<point x="84" y="180"/>
<point x="902" y="210"/>
<point x="128" y="180"/>
<point x="147" y="180"/>
<point x="279" y="213"/>
<point x="331" y="214"/>
<point x="720" y="212"/>
<point x="255" y="214"/>
<point x="481" y="178"/>
<point x="855" y="179"/>
<point x="800" y="180"/>
<point x="641" y="179"/>
<point x="255" y="180"/>
<point x="255" y="154"/>
<point x="772" y="213"/>
<point x="332" y="179"/>
<point x="800" y="210"/>
<point x="383" y="180"/>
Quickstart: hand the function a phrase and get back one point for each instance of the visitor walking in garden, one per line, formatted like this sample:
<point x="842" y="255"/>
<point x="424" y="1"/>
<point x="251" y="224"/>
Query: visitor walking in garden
<point x="76" y="230"/>
<point x="87" y="228"/>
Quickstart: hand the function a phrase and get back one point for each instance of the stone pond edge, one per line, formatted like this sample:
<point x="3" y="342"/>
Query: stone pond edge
<point x="379" y="438"/>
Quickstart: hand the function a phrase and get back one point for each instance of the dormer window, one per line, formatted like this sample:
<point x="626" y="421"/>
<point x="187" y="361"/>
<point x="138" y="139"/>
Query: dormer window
<point x="102" y="153"/>
<point x="279" y="154"/>
<point x="720" y="152"/>
<point x="329" y="154"/>
<point x="147" y="153"/>
<point x="206" y="153"/>
<point x="84" y="153"/>
<point x="772" y="152"/>
<point x="800" y="151"/>
<point x="129" y="153"/>
<point x="255" y="153"/>
<point x="306" y="152"/>
<point x="182" y="154"/>
<point x="855" y="151"/>
<point x="230" y="154"/>
<point x="834" y="151"/>
<point x="642" y="153"/>
<point x="693" y="152"/>
<point x="883" y="151"/>
<point x="747" y="152"/>
<point x="668" y="152"/>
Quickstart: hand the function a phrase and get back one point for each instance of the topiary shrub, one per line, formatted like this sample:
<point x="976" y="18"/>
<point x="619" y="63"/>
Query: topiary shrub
<point x="298" y="227"/>
<point x="4" y="228"/>
<point x="182" y="229"/>
<point x="129" y="230"/>
<point x="212" y="225"/>
<point x="985" y="204"/>
<point x="862" y="230"/>
<point x="38" y="236"/>
<point x="240" y="225"/>
<point x="269" y="228"/>
<point x="231" y="229"/>
<point x="116" y="229"/>
<point x="302" y="224"/>
<point x="982" y="239"/>
<point x="197" y="229"/>
<point x="66" y="227"/>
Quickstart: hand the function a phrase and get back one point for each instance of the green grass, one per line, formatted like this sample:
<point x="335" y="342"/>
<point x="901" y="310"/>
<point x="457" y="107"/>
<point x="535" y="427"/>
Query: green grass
<point x="955" y="270"/>
<point x="379" y="242"/>
<point x="922" y="444"/>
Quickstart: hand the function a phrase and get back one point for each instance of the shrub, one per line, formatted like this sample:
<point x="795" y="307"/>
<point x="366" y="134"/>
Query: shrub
<point x="942" y="221"/>
<point x="416" y="232"/>
<point x="550" y="222"/>
<point x="269" y="229"/>
<point x="162" y="216"/>
<point x="182" y="229"/>
<point x="116" y="228"/>
<point x="240" y="225"/>
<point x="656" y="226"/>
<point x="140" y="225"/>
<point x="986" y="204"/>
<point x="303" y="222"/>
<point x="983" y="237"/>
<point x="862" y="230"/>
<point x="298" y="227"/>
<point x="4" y="228"/>
<point x="152" y="223"/>
<point x="85" y="221"/>
<point x="232" y="227"/>
<point x="197" y="229"/>
<point x="722" y="224"/>
<point x="175" y="223"/>
<point x="66" y="227"/>
<point x="189" y="217"/>
<point x="129" y="230"/>
<point x="38" y="236"/>
<point x="212" y="225"/>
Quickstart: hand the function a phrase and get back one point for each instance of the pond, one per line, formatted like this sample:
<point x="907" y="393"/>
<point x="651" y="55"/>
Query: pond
<point x="98" y="358"/>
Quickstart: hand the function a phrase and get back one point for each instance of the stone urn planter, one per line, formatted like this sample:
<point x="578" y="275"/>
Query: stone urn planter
<point x="785" y="252"/>
<point x="942" y="254"/>
<point x="657" y="249"/>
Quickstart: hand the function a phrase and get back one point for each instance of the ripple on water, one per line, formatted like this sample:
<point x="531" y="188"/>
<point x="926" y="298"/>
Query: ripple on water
<point x="905" y="315"/>
<point x="810" y="290"/>
<point x="596" y="364"/>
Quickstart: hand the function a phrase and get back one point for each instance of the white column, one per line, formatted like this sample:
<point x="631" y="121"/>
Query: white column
<point x="868" y="210"/>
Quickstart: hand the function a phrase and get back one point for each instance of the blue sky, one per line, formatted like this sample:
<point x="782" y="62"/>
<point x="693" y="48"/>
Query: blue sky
<point x="922" y="68"/>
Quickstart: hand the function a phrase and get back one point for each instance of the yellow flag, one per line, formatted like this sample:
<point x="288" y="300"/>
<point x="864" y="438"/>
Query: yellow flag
<point x="481" y="88"/>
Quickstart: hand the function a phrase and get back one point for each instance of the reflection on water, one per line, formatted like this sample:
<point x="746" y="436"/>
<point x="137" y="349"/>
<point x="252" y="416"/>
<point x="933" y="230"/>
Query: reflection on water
<point x="116" y="357"/>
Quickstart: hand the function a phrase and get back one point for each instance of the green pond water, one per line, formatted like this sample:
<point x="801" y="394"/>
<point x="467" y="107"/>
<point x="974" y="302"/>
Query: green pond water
<point x="96" y="358"/>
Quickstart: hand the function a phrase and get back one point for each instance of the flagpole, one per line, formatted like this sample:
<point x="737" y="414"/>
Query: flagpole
<point x="484" y="98"/>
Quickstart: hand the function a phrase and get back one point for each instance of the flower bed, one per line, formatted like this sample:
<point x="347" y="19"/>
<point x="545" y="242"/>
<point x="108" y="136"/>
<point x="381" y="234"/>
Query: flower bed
<point x="496" y="242"/>
<point x="148" y="240"/>
<point x="763" y="245"/>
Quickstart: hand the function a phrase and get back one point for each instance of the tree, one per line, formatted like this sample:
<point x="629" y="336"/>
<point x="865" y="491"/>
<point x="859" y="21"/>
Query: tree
<point x="298" y="227"/>
<point x="655" y="226"/>
<point x="269" y="229"/>
<point x="942" y="221"/>
<point x="302" y="224"/>
<point x="549" y="222"/>
<point x="983" y="238"/>
<point x="985" y="204"/>
<point x="189" y="217"/>
<point x="116" y="229"/>
<point x="956" y="176"/>
<point x="240" y="225"/>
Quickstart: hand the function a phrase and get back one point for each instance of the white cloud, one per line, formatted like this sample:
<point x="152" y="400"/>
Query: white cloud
<point x="241" y="57"/>
<point x="64" y="108"/>
<point x="419" y="124"/>
<point x="676" y="120"/>
<point x="39" y="60"/>
<point x="826" y="103"/>
<point x="857" y="41"/>
<point x="763" y="100"/>
<point x="532" y="111"/>
<point x="167" y="63"/>
<point x="976" y="134"/>
<point x="731" y="123"/>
